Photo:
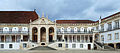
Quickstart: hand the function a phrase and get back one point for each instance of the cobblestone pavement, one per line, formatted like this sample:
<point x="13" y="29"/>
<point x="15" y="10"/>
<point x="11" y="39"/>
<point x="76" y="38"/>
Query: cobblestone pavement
<point x="57" y="51"/>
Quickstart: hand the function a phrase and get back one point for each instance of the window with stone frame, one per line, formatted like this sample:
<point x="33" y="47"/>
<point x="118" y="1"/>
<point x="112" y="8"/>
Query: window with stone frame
<point x="73" y="45"/>
<point x="116" y="24"/>
<point x="1" y="45"/>
<point x="66" y="46"/>
<point x="10" y="46"/>
<point x="116" y="36"/>
<point x="109" y="26"/>
<point x="102" y="27"/>
<point x="109" y="37"/>
<point x="81" y="45"/>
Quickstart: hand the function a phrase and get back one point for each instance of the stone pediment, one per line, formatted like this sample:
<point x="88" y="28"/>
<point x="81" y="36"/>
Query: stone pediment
<point x="42" y="21"/>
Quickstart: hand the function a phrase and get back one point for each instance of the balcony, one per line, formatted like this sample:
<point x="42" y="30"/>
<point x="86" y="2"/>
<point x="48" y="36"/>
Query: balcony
<point x="14" y="32"/>
<point x="74" y="32"/>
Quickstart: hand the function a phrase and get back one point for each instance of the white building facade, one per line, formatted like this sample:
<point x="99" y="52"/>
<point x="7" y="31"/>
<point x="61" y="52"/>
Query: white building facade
<point x="28" y="31"/>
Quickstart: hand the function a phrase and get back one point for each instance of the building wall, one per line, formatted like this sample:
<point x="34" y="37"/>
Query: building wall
<point x="113" y="40"/>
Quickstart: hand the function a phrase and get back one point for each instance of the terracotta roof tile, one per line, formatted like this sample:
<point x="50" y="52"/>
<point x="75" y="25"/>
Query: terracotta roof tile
<point x="17" y="16"/>
<point x="74" y="21"/>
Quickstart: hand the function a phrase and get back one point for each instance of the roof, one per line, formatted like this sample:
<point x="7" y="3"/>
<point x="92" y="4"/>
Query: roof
<point x="109" y="16"/>
<point x="74" y="21"/>
<point x="17" y="16"/>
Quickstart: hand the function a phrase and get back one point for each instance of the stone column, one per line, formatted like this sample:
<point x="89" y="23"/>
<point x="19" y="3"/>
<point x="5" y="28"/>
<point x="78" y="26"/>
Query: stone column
<point x="93" y="38"/>
<point x="68" y="38"/>
<point x="63" y="37"/>
<point x="72" y="38"/>
<point x="15" y="38"/>
<point x="38" y="35"/>
<point x="30" y="33"/>
<point x="21" y="37"/>
<point x="80" y="38"/>
<point x="4" y="38"/>
<point x="55" y="33"/>
<point x="47" y="35"/>
<point x="115" y="45"/>
<point x="76" y="38"/>
<point x="84" y="39"/>
<point x="88" y="38"/>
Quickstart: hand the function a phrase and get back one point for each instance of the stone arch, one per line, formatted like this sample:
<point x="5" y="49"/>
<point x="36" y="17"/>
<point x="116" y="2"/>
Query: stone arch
<point x="51" y="34"/>
<point x="34" y="34"/>
<point x="43" y="34"/>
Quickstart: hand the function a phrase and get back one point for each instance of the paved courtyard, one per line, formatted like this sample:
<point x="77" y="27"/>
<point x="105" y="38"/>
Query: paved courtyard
<point x="58" y="51"/>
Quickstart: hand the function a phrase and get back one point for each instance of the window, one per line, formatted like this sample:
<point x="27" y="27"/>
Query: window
<point x="60" y="45"/>
<point x="24" y="45"/>
<point x="66" y="45"/>
<point x="102" y="27"/>
<point x="109" y="26"/>
<point x="1" y="45"/>
<point x="81" y="45"/>
<point x="10" y="45"/>
<point x="102" y="38"/>
<point x="109" y="37"/>
<point x="116" y="24"/>
<point x="73" y="45"/>
<point x="116" y="36"/>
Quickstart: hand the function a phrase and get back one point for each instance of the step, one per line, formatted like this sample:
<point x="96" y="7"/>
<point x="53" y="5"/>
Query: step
<point x="42" y="48"/>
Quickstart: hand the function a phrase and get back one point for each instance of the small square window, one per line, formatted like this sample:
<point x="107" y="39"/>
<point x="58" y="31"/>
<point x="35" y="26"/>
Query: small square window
<point x="81" y="45"/>
<point x="73" y="45"/>
<point x="2" y="46"/>
<point x="66" y="45"/>
<point x="60" y="45"/>
<point x="24" y="45"/>
<point x="10" y="46"/>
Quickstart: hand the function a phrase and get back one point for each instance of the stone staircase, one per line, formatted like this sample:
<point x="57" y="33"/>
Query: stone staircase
<point x="42" y="48"/>
<point x="101" y="46"/>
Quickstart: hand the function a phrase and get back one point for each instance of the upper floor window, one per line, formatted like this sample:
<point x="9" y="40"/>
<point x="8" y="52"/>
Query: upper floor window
<point x="24" y="28"/>
<point x="15" y="29"/>
<point x="109" y="26"/>
<point x="89" y="29"/>
<point x="62" y="29"/>
<point x="68" y="29"/>
<point x="117" y="24"/>
<point x="102" y="27"/>
<point x="109" y="37"/>
<point x="82" y="29"/>
<point x="5" y="29"/>
<point x="75" y="29"/>
<point x="116" y="36"/>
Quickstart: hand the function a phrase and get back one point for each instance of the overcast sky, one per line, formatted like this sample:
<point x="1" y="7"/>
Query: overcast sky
<point x="65" y="9"/>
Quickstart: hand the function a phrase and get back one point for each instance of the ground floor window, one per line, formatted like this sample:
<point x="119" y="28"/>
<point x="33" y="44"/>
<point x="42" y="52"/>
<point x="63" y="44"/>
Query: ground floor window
<point x="81" y="45"/>
<point x="10" y="46"/>
<point x="24" y="45"/>
<point x="1" y="45"/>
<point x="73" y="45"/>
<point x="25" y="38"/>
<point x="66" y="45"/>
<point x="60" y="45"/>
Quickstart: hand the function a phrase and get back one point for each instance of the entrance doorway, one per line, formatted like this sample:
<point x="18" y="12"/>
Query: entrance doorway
<point x="89" y="46"/>
<point x="51" y="34"/>
<point x="42" y="34"/>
